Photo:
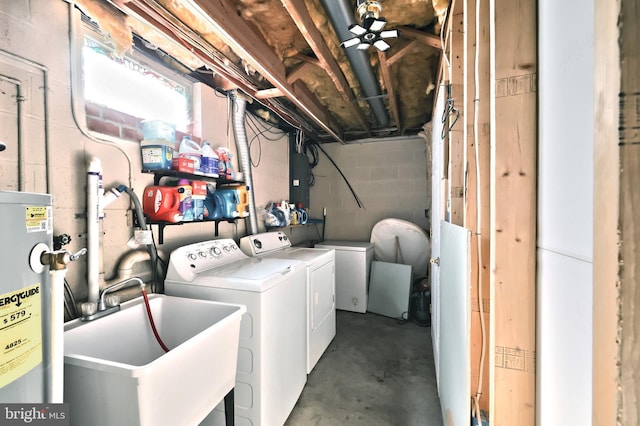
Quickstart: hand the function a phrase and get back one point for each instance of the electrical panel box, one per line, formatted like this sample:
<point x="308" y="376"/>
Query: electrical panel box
<point x="299" y="174"/>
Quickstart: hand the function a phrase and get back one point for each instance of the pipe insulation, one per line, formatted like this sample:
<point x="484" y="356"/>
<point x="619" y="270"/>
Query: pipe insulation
<point x="341" y="15"/>
<point x="244" y="157"/>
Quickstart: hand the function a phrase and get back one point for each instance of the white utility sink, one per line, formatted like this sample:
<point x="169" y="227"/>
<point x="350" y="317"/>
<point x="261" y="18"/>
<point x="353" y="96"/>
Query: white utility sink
<point x="117" y="374"/>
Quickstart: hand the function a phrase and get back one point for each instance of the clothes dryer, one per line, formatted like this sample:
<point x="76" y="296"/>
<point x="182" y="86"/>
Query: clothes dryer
<point x="320" y="288"/>
<point x="271" y="371"/>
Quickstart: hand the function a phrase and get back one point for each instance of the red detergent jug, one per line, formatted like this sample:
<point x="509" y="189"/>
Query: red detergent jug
<point x="162" y="203"/>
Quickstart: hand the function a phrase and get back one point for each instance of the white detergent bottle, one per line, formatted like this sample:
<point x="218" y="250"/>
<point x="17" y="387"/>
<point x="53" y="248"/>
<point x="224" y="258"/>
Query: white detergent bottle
<point x="209" y="163"/>
<point x="190" y="149"/>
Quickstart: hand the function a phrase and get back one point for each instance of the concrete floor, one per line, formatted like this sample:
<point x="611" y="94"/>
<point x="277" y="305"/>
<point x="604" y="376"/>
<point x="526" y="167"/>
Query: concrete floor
<point x="376" y="372"/>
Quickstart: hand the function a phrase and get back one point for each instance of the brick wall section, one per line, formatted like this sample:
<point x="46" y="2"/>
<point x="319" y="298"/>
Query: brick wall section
<point x="114" y="123"/>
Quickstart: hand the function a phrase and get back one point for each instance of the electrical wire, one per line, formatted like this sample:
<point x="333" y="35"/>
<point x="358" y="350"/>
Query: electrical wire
<point x="476" y="103"/>
<point x="355" y="196"/>
<point x="72" y="299"/>
<point x="450" y="107"/>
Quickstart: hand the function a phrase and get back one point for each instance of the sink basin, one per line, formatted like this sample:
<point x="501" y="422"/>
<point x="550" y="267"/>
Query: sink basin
<point x="117" y="374"/>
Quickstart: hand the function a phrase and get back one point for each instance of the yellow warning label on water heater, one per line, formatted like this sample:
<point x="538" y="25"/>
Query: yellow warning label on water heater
<point x="20" y="333"/>
<point x="37" y="218"/>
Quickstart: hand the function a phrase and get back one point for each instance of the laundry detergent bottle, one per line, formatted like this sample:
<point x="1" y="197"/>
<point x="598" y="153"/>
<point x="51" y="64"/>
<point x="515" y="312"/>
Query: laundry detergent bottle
<point x="190" y="149"/>
<point x="209" y="162"/>
<point x="185" y="192"/>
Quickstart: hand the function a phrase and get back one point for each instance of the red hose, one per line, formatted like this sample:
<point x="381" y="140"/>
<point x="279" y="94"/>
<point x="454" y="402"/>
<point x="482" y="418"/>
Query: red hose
<point x="153" y="324"/>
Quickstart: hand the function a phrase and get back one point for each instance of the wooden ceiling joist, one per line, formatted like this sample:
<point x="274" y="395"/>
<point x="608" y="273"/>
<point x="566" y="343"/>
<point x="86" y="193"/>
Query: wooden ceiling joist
<point x="392" y="59"/>
<point x="268" y="93"/>
<point x="300" y="15"/>
<point x="299" y="71"/>
<point x="386" y="77"/>
<point x="225" y="23"/>
<point x="426" y="38"/>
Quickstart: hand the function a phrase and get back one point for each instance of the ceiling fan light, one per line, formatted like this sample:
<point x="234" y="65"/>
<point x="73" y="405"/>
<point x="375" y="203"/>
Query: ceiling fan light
<point x="389" y="34"/>
<point x="363" y="46"/>
<point x="381" y="45"/>
<point x="377" y="24"/>
<point x="351" y="42"/>
<point x="357" y="29"/>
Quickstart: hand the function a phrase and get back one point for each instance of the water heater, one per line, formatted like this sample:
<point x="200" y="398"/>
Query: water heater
<point x="27" y="327"/>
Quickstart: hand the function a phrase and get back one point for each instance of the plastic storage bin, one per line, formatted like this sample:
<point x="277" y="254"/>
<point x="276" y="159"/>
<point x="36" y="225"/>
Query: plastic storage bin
<point x="156" y="154"/>
<point x="158" y="129"/>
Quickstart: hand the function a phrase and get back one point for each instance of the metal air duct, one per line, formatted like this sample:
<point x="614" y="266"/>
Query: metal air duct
<point x="244" y="159"/>
<point x="341" y="16"/>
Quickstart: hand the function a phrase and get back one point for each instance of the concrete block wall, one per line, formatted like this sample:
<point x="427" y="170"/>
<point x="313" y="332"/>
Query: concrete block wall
<point x="389" y="177"/>
<point x="37" y="32"/>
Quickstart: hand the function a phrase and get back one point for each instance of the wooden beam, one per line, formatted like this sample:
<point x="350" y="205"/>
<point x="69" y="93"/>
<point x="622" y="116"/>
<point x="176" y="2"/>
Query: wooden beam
<point x="300" y="15"/>
<point x="268" y="93"/>
<point x="224" y="22"/>
<point x="426" y="38"/>
<point x="513" y="212"/>
<point x="299" y="71"/>
<point x="393" y="102"/>
<point x="392" y="59"/>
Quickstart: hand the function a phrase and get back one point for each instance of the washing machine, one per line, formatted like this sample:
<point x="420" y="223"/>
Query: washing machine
<point x="353" y="264"/>
<point x="320" y="288"/>
<point x="271" y="370"/>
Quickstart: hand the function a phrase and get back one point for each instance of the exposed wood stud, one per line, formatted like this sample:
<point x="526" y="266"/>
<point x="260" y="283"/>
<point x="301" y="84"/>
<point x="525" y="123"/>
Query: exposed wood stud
<point x="393" y="102"/>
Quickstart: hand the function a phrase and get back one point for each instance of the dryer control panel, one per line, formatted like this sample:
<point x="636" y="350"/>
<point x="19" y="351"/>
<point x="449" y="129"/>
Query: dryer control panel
<point x="188" y="261"/>
<point x="266" y="242"/>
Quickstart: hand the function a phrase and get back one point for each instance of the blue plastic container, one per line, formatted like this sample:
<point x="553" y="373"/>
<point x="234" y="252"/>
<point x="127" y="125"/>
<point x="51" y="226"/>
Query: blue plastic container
<point x="156" y="154"/>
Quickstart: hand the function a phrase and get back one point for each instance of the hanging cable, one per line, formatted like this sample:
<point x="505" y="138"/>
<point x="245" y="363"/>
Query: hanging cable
<point x="355" y="196"/>
<point x="476" y="140"/>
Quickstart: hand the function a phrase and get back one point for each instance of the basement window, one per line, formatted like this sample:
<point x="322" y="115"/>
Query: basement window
<point x="120" y="92"/>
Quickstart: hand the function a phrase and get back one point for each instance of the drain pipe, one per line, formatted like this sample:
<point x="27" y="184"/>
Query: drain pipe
<point x="341" y="15"/>
<point x="244" y="159"/>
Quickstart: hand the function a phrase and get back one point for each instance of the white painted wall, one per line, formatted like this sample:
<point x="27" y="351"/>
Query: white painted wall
<point x="565" y="212"/>
<point x="38" y="31"/>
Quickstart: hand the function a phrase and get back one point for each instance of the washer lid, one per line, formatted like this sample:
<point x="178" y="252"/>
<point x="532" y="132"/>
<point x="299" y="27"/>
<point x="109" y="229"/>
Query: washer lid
<point x="413" y="246"/>
<point x="345" y="245"/>
<point x="252" y="274"/>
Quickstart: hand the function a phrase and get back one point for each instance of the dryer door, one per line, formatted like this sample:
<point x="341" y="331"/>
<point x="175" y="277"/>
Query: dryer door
<point x="321" y="293"/>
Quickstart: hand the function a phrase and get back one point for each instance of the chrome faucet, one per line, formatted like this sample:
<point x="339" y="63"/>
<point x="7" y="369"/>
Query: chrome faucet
<point x="91" y="312"/>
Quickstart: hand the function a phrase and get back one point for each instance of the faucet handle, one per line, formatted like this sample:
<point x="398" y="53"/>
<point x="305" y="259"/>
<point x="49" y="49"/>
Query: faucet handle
<point x="112" y="300"/>
<point x="89" y="308"/>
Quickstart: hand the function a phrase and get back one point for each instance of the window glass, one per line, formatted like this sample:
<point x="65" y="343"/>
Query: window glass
<point x="121" y="92"/>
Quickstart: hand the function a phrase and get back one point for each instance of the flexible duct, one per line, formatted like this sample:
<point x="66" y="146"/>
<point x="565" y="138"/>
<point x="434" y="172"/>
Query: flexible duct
<point x="244" y="159"/>
<point x="341" y="15"/>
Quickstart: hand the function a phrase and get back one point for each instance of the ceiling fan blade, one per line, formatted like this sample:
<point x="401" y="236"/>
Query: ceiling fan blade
<point x="351" y="42"/>
<point x="381" y="45"/>
<point x="389" y="34"/>
<point x="357" y="29"/>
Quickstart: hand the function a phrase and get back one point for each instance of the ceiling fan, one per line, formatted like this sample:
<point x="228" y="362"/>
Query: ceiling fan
<point x="370" y="33"/>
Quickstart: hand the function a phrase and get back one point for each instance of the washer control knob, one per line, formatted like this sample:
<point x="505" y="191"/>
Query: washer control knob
<point x="202" y="254"/>
<point x="257" y="243"/>
<point x="234" y="247"/>
<point x="216" y="251"/>
<point x="227" y="248"/>
<point x="192" y="256"/>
